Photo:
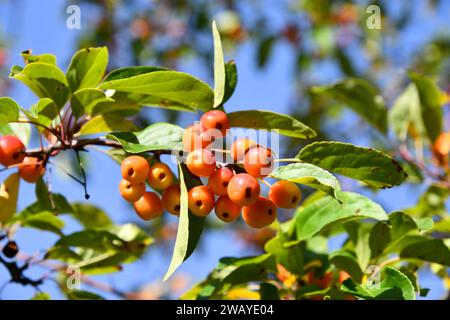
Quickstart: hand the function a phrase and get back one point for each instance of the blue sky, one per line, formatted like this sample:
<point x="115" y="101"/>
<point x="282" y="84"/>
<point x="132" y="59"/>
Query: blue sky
<point x="40" y="25"/>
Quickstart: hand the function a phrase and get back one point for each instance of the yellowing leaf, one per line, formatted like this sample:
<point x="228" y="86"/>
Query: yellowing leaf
<point x="106" y="124"/>
<point x="9" y="191"/>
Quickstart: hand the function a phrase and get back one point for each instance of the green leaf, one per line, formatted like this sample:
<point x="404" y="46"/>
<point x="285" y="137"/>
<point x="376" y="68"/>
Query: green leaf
<point x="290" y="257"/>
<point x="430" y="250"/>
<point x="101" y="250"/>
<point x="135" y="101"/>
<point x="90" y="216"/>
<point x="87" y="67"/>
<point x="362" y="244"/>
<point x="405" y="114"/>
<point x="44" y="220"/>
<point x="190" y="226"/>
<point x="403" y="226"/>
<point x="264" y="50"/>
<point x="173" y="86"/>
<point x="158" y="136"/>
<point x="373" y="167"/>
<point x="46" y="111"/>
<point x="43" y="194"/>
<point x="85" y="100"/>
<point x="231" y="79"/>
<point x="345" y="260"/>
<point x="379" y="239"/>
<point x="219" y="68"/>
<point x="100" y="240"/>
<point x="82" y="295"/>
<point x="349" y="286"/>
<point x="41" y="296"/>
<point x="394" y="286"/>
<point x="392" y="278"/>
<point x="106" y="124"/>
<point x="268" y="120"/>
<point x="9" y="110"/>
<point x="361" y="96"/>
<point x="21" y="130"/>
<point x="268" y="291"/>
<point x="232" y="272"/>
<point x="45" y="58"/>
<point x="309" y="175"/>
<point x="45" y="80"/>
<point x="128" y="72"/>
<point x="62" y="254"/>
<point x="442" y="225"/>
<point x="9" y="193"/>
<point x="430" y="101"/>
<point x="311" y="219"/>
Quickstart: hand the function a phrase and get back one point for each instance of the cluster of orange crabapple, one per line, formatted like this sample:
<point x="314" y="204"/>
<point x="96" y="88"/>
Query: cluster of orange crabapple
<point x="228" y="192"/>
<point x="12" y="153"/>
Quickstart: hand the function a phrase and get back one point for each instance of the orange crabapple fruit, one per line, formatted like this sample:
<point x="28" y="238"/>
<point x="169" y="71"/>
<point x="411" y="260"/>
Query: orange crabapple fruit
<point x="243" y="189"/>
<point x="135" y="169"/>
<point x="240" y="147"/>
<point x="11" y="150"/>
<point x="201" y="200"/>
<point x="258" y="162"/>
<point x="193" y="138"/>
<point x="215" y="119"/>
<point x="285" y="194"/>
<point x="160" y="176"/>
<point x="201" y="162"/>
<point x="219" y="180"/>
<point x="260" y="214"/>
<point x="31" y="169"/>
<point x="149" y="206"/>
<point x="171" y="199"/>
<point x="131" y="192"/>
<point x="226" y="210"/>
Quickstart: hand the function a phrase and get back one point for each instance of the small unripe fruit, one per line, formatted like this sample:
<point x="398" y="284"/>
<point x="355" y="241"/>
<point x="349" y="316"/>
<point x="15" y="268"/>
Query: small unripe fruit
<point x="160" y="176"/>
<point x="131" y="192"/>
<point x="11" y="150"/>
<point x="219" y="180"/>
<point x="201" y="201"/>
<point x="285" y="194"/>
<point x="193" y="137"/>
<point x="258" y="162"/>
<point x="149" y="206"/>
<point x="31" y="169"/>
<point x="322" y="282"/>
<point x="260" y="214"/>
<point x="243" y="189"/>
<point x="226" y="210"/>
<point x="10" y="250"/>
<point x="216" y="119"/>
<point x="240" y="147"/>
<point x="171" y="199"/>
<point x="201" y="162"/>
<point x="135" y="169"/>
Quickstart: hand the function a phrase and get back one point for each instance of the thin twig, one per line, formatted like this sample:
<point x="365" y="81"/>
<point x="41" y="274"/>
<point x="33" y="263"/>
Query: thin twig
<point x="83" y="173"/>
